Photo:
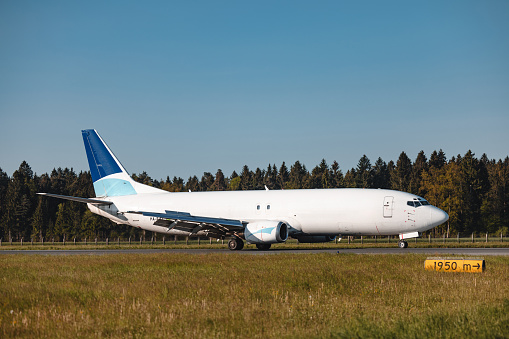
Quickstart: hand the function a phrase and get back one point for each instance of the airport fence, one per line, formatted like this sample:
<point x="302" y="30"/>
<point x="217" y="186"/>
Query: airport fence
<point x="198" y="241"/>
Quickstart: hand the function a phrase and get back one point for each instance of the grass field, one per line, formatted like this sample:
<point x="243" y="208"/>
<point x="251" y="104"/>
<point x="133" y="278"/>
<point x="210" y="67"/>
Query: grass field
<point x="281" y="295"/>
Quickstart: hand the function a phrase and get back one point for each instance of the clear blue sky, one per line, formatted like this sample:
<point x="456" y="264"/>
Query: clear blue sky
<point x="179" y="88"/>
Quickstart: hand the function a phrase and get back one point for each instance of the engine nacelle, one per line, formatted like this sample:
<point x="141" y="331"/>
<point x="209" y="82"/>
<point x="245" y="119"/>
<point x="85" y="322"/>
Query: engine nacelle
<point x="266" y="232"/>
<point x="315" y="238"/>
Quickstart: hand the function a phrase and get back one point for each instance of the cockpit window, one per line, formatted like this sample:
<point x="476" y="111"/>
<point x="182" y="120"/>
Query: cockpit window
<point x="417" y="203"/>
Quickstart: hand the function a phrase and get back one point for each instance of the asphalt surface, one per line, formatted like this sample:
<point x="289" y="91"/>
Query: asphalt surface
<point x="372" y="251"/>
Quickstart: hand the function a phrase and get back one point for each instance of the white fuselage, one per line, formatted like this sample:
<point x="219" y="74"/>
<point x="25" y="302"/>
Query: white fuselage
<point x="313" y="212"/>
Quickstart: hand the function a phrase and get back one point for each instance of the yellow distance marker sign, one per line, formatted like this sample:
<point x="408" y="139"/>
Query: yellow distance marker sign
<point x="455" y="265"/>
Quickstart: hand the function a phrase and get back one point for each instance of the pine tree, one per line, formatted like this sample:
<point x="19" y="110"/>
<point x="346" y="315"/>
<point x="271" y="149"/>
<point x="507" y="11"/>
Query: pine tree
<point x="297" y="176"/>
<point x="268" y="180"/>
<point x="475" y="185"/>
<point x="19" y="199"/>
<point x="207" y="180"/>
<point x="258" y="179"/>
<point x="437" y="159"/>
<point x="400" y="179"/>
<point x="381" y="176"/>
<point x="143" y="178"/>
<point x="350" y="178"/>
<point x="4" y="183"/>
<point x="220" y="182"/>
<point x="418" y="167"/>
<point x="193" y="184"/>
<point x="166" y="185"/>
<point x="320" y="177"/>
<point x="336" y="175"/>
<point x="246" y="182"/>
<point x="177" y="185"/>
<point x="283" y="175"/>
<point x="363" y="173"/>
<point x="38" y="221"/>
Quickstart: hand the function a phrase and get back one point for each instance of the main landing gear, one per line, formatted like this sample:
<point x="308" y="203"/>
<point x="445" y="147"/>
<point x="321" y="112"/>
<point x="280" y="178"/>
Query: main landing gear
<point x="402" y="244"/>
<point x="235" y="244"/>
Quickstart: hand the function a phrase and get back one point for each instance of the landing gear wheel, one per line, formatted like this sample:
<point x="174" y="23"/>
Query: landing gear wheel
<point x="402" y="244"/>
<point x="263" y="247"/>
<point x="235" y="244"/>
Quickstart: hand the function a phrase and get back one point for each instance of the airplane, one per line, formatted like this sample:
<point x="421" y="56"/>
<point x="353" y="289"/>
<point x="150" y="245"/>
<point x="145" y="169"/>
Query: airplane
<point x="260" y="217"/>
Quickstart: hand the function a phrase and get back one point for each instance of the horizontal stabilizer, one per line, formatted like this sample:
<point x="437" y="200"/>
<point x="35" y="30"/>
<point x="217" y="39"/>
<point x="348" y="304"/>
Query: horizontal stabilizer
<point x="183" y="216"/>
<point x="84" y="200"/>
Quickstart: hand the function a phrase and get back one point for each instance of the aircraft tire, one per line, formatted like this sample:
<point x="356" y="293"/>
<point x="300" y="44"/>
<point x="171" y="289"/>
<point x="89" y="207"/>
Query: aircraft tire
<point x="263" y="247"/>
<point x="235" y="244"/>
<point x="402" y="244"/>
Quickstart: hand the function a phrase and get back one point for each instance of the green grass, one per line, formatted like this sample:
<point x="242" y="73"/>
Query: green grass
<point x="218" y="296"/>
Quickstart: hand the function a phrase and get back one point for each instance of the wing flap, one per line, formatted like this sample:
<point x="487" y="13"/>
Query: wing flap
<point x="183" y="221"/>
<point x="187" y="217"/>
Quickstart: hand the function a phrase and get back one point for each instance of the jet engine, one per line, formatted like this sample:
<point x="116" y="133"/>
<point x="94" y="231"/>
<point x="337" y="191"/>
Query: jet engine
<point x="266" y="232"/>
<point x="315" y="238"/>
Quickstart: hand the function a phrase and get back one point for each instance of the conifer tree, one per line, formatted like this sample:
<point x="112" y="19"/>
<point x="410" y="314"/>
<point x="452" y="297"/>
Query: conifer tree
<point x="336" y="175"/>
<point x="4" y="183"/>
<point x="177" y="185"/>
<point x="283" y="175"/>
<point x="364" y="173"/>
<point x="246" y="182"/>
<point x="350" y="179"/>
<point x="437" y="159"/>
<point x="207" y="180"/>
<point x="381" y="176"/>
<point x="38" y="221"/>
<point x="220" y="182"/>
<point x="193" y="184"/>
<point x="419" y="166"/>
<point x="19" y="203"/>
<point x="400" y="179"/>
<point x="297" y="176"/>
<point x="258" y="179"/>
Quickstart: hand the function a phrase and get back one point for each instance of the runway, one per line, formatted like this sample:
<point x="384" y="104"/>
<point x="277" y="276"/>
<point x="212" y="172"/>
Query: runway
<point x="369" y="251"/>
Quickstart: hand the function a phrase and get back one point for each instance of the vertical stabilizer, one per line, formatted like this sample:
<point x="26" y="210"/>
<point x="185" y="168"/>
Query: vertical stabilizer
<point x="109" y="176"/>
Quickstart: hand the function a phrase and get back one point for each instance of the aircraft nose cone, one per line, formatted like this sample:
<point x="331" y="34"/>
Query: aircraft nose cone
<point x="438" y="216"/>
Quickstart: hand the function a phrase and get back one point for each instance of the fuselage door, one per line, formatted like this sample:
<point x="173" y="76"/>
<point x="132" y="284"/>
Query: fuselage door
<point x="388" y="205"/>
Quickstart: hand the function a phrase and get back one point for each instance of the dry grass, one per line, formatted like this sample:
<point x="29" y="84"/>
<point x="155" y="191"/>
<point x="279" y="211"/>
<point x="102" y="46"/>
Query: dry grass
<point x="280" y="295"/>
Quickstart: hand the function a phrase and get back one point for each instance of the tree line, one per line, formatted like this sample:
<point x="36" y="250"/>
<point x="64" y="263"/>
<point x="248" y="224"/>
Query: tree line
<point x="473" y="191"/>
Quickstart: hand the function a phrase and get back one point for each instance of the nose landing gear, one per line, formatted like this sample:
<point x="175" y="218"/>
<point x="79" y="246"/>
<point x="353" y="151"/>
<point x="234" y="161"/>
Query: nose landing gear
<point x="402" y="244"/>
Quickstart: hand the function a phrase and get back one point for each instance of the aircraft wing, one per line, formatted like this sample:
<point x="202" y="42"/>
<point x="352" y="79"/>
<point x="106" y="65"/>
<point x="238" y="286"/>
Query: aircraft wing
<point x="184" y="221"/>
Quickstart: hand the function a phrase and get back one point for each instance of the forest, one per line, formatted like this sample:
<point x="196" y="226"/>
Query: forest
<point x="473" y="191"/>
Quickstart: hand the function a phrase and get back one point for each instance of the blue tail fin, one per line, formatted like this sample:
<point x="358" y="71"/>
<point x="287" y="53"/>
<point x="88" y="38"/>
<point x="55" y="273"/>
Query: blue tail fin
<point x="109" y="176"/>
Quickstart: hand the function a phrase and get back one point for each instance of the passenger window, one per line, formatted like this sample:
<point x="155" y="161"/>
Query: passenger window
<point x="258" y="207"/>
<point x="268" y="207"/>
